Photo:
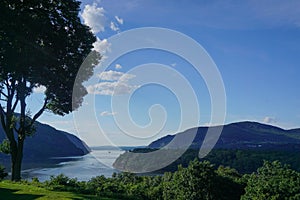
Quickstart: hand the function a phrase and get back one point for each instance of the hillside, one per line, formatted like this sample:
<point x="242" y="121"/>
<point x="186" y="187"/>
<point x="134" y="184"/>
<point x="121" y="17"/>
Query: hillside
<point x="242" y="145"/>
<point x="241" y="135"/>
<point x="45" y="146"/>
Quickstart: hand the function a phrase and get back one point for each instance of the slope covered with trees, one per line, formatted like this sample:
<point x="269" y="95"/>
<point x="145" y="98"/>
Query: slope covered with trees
<point x="243" y="146"/>
<point x="45" y="145"/>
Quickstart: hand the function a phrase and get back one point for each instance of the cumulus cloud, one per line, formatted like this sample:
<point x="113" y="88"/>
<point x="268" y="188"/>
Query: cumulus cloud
<point x="114" y="83"/>
<point x="107" y="113"/>
<point x="114" y="27"/>
<point x="94" y="17"/>
<point x="118" y="66"/>
<point x="119" y="20"/>
<point x="111" y="88"/>
<point x="40" y="89"/>
<point x="269" y="120"/>
<point x="115" y="76"/>
<point x="102" y="46"/>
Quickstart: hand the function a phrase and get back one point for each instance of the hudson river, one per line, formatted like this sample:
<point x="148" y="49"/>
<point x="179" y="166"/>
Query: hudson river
<point x="96" y="163"/>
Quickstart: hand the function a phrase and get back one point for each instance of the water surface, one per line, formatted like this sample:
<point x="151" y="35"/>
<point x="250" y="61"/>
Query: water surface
<point x="96" y="163"/>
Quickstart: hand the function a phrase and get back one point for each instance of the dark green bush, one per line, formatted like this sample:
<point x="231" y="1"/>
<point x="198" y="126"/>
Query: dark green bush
<point x="3" y="174"/>
<point x="62" y="183"/>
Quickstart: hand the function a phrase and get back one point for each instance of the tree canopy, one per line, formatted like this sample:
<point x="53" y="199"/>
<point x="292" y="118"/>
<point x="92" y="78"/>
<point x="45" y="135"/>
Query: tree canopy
<point x="273" y="181"/>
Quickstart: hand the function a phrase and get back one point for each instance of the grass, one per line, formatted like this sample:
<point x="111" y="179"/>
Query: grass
<point x="20" y="191"/>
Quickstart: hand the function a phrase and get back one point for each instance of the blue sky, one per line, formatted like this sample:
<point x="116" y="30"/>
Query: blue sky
<point x="254" y="44"/>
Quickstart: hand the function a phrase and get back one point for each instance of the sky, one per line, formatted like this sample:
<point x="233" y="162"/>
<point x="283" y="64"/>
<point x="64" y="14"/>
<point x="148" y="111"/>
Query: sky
<point x="253" y="66"/>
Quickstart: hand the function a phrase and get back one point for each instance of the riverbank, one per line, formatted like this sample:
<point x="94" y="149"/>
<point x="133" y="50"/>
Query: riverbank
<point x="96" y="163"/>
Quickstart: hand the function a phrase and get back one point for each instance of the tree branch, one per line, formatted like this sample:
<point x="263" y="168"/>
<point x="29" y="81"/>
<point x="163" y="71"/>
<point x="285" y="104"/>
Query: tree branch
<point x="15" y="105"/>
<point x="8" y="88"/>
<point x="39" y="113"/>
<point x="2" y="93"/>
<point x="2" y="117"/>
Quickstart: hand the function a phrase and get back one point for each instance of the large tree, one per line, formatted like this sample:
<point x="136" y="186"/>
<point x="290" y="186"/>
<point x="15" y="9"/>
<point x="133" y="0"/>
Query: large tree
<point x="42" y="43"/>
<point x="273" y="181"/>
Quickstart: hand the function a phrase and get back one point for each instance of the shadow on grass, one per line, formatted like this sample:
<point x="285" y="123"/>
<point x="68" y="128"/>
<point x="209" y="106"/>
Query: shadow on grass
<point x="9" y="194"/>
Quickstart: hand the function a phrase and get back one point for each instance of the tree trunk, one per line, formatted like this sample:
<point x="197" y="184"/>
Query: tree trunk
<point x="16" y="161"/>
<point x="18" y="151"/>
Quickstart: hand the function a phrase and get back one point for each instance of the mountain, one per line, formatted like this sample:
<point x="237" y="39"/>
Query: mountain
<point x="240" y="135"/>
<point x="46" y="147"/>
<point x="243" y="146"/>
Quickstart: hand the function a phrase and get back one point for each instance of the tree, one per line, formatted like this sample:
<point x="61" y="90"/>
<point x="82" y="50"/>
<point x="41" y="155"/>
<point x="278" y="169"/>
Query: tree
<point x="42" y="43"/>
<point x="194" y="182"/>
<point x="273" y="181"/>
<point x="229" y="184"/>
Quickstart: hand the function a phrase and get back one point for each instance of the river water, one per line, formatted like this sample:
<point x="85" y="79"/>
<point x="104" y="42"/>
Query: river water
<point x="96" y="163"/>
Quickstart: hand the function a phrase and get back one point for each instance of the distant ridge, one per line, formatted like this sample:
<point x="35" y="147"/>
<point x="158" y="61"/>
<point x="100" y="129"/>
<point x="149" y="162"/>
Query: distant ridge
<point x="46" y="144"/>
<point x="242" y="145"/>
<point x="239" y="135"/>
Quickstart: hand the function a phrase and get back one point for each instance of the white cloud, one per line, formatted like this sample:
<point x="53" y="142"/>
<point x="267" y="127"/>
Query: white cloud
<point x="111" y="88"/>
<point x="114" y="27"/>
<point x="107" y="113"/>
<point x="115" y="76"/>
<point x="102" y="46"/>
<point x="210" y="124"/>
<point x="269" y="120"/>
<point x="40" y="89"/>
<point x="94" y="17"/>
<point x="115" y="83"/>
<point x="173" y="64"/>
<point x="119" y="20"/>
<point x="118" y="66"/>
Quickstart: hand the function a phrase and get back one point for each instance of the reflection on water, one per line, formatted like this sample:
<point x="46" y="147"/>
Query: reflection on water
<point x="98" y="162"/>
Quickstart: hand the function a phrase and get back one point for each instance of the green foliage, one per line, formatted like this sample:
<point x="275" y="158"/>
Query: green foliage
<point x="193" y="182"/>
<point x="229" y="184"/>
<point x="273" y="181"/>
<point x="5" y="146"/>
<point x="243" y="160"/>
<point x="200" y="180"/>
<point x="3" y="174"/>
<point x="62" y="183"/>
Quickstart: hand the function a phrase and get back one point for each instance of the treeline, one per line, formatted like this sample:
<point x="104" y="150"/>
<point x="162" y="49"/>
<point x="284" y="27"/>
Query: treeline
<point x="199" y="180"/>
<point x="243" y="160"/>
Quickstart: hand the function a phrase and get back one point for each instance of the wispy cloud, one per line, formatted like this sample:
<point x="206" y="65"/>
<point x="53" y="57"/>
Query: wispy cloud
<point x="269" y="120"/>
<point x="114" y="27"/>
<point x="118" y="66"/>
<point x="119" y="20"/>
<point x="216" y="14"/>
<point x="107" y="113"/>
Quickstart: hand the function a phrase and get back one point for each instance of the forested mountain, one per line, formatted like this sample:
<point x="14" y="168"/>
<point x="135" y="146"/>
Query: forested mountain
<point x="241" y="135"/>
<point x="45" y="145"/>
<point x="243" y="146"/>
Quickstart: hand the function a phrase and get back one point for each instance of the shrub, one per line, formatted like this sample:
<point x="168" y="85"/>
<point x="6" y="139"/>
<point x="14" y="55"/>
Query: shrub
<point x="62" y="183"/>
<point x="3" y="174"/>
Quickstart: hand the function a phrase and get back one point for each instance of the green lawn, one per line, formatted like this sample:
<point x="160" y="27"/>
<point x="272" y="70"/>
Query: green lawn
<point x="19" y="191"/>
